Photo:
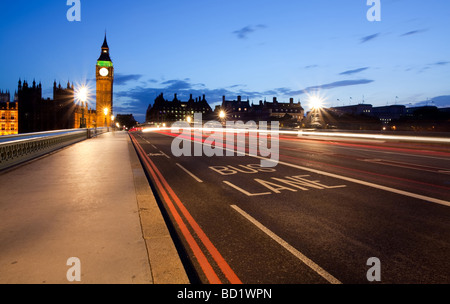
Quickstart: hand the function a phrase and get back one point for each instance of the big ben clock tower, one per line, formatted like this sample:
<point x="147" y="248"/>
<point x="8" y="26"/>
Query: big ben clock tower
<point x="104" y="74"/>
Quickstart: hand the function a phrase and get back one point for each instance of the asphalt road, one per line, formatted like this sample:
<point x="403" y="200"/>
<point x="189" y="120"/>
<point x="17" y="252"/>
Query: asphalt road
<point x="317" y="217"/>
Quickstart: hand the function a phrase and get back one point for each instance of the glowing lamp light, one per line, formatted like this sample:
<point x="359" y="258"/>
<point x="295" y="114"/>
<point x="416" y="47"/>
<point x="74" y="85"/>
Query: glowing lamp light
<point x="105" y="110"/>
<point x="82" y="94"/>
<point x="315" y="102"/>
<point x="222" y="114"/>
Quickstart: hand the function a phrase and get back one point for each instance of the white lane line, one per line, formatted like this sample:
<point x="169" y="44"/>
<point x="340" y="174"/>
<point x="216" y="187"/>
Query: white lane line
<point x="246" y="192"/>
<point x="190" y="173"/>
<point x="390" y="152"/>
<point x="372" y="185"/>
<point x="353" y="180"/>
<point x="319" y="270"/>
<point x="167" y="156"/>
<point x="361" y="182"/>
<point x="406" y="165"/>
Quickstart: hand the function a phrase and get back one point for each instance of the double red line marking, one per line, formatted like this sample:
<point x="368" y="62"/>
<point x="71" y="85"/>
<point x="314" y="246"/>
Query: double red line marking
<point x="170" y="198"/>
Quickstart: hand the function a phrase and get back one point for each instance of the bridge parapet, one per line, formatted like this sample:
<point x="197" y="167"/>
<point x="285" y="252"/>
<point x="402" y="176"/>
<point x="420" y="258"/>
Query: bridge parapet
<point x="17" y="149"/>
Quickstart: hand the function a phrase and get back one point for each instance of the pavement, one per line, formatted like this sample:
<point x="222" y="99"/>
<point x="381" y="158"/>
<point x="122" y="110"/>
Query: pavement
<point x="89" y="201"/>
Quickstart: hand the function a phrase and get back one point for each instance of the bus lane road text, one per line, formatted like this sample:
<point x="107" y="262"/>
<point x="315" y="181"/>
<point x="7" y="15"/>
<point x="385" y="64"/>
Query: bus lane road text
<point x="272" y="185"/>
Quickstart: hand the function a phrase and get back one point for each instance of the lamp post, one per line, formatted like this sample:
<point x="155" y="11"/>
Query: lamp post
<point x="316" y="103"/>
<point x="105" y="111"/>
<point x="222" y="116"/>
<point x="82" y="119"/>
<point x="82" y="96"/>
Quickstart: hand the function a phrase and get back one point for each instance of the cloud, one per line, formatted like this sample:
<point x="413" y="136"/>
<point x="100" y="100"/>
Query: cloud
<point x="312" y="66"/>
<point x="431" y="65"/>
<point x="332" y="85"/>
<point x="440" y="63"/>
<point x="176" y="85"/>
<point x="247" y="30"/>
<point x="137" y="99"/>
<point x="438" y="101"/>
<point x="370" y="37"/>
<point x="122" y="79"/>
<point x="350" y="72"/>
<point x="412" y="33"/>
<point x="141" y="97"/>
<point x="234" y="86"/>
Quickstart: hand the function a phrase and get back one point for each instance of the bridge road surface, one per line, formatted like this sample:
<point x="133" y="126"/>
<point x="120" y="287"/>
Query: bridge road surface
<point x="317" y="217"/>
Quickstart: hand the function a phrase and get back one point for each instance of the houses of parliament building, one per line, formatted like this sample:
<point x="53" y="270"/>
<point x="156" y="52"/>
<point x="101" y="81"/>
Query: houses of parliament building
<point x="29" y="112"/>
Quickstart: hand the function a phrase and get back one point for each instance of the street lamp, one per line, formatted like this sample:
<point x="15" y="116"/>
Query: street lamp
<point x="105" y="110"/>
<point x="82" y="95"/>
<point x="316" y="104"/>
<point x="222" y="114"/>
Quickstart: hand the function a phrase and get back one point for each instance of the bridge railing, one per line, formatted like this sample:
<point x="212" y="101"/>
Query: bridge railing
<point x="15" y="149"/>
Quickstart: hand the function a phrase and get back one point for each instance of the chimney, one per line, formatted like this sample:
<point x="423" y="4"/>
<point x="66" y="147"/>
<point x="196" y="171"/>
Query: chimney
<point x="239" y="99"/>
<point x="275" y="100"/>
<point x="223" y="98"/>
<point x="291" y="101"/>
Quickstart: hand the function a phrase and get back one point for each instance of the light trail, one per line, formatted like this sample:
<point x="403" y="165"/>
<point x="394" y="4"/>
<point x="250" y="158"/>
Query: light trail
<point x="303" y="133"/>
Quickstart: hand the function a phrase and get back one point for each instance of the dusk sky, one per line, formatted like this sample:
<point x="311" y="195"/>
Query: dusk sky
<point x="256" y="49"/>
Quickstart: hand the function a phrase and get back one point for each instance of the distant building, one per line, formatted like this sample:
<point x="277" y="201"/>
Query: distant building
<point x="104" y="75"/>
<point x="9" y="120"/>
<point x="416" y="111"/>
<point x="177" y="110"/>
<point x="387" y="114"/>
<point x="358" y="109"/>
<point x="393" y="117"/>
<point x="125" y="120"/>
<point x="31" y="113"/>
<point x="445" y="110"/>
<point x="282" y="110"/>
<point x="236" y="109"/>
<point x="31" y="107"/>
<point x="37" y="114"/>
<point x="424" y="118"/>
<point x="263" y="111"/>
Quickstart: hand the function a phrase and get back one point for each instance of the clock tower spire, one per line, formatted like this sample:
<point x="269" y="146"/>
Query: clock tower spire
<point x="104" y="74"/>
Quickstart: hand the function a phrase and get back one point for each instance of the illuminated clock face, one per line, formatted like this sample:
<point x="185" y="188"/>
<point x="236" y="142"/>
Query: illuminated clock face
<point x="104" y="72"/>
